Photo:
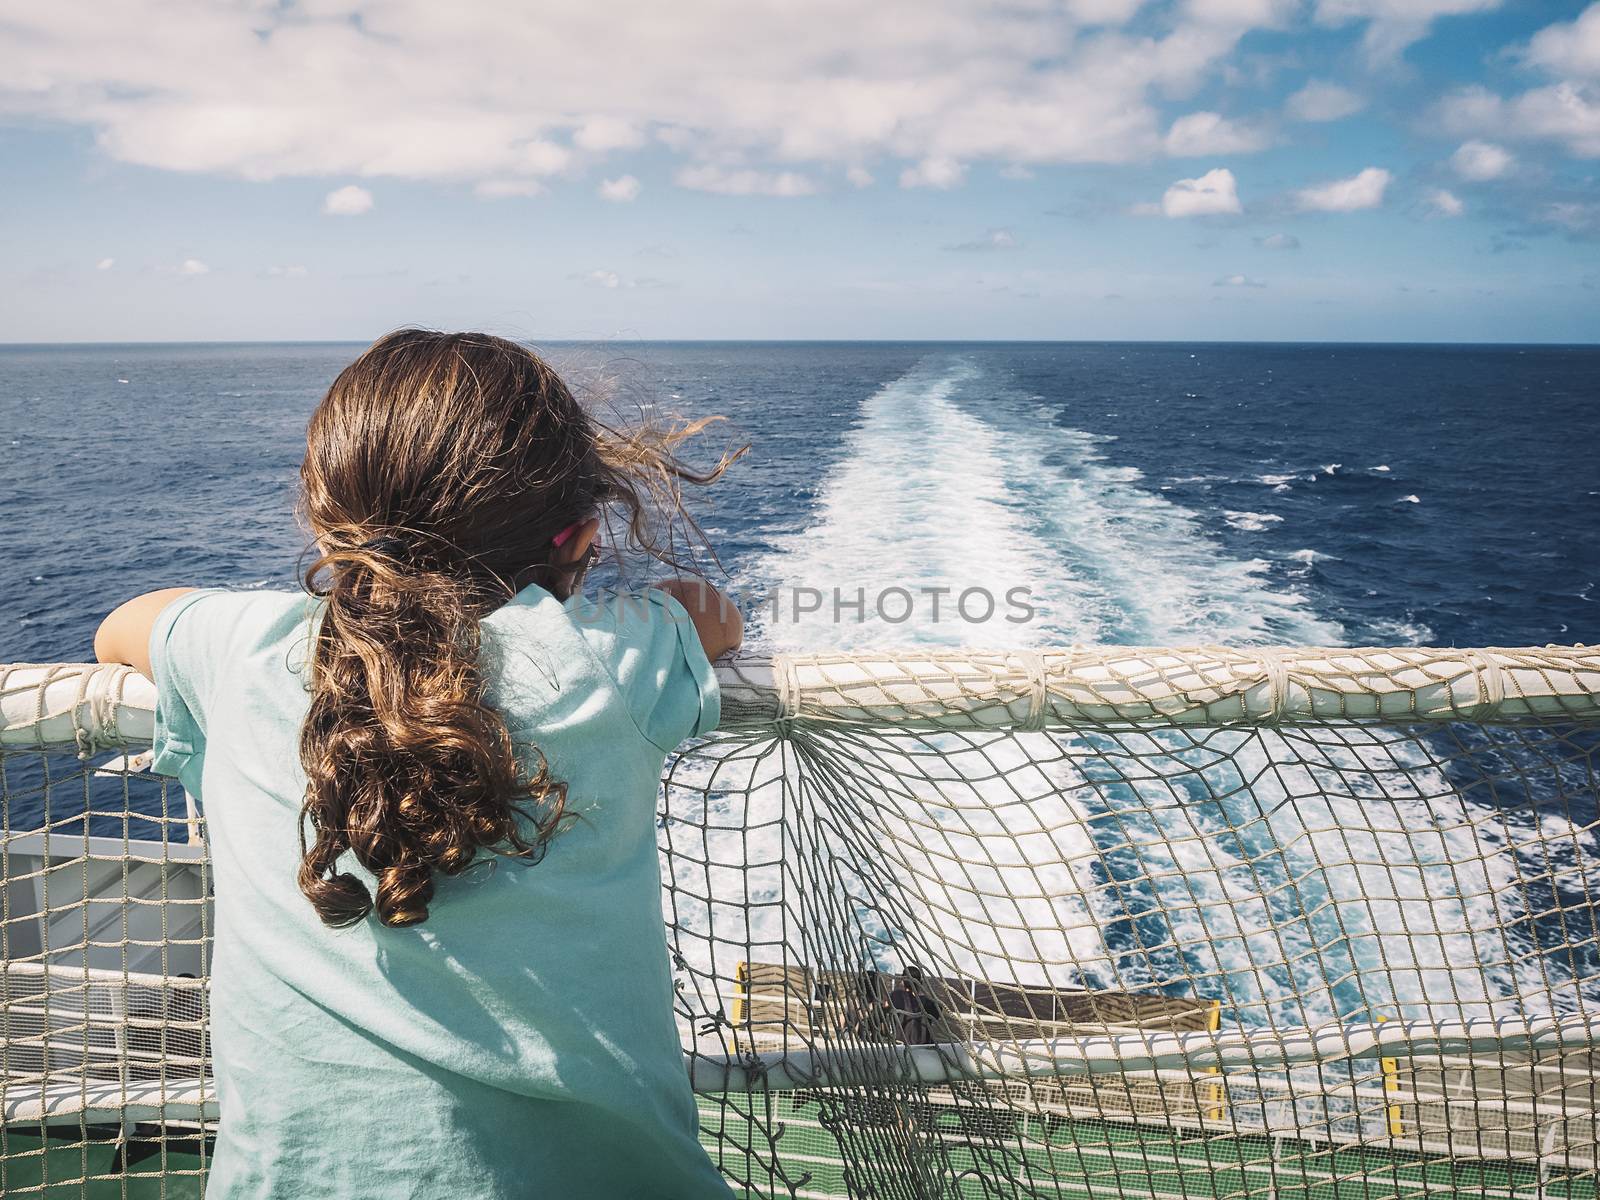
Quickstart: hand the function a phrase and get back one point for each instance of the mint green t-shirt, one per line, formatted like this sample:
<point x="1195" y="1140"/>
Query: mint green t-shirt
<point x="521" y="1040"/>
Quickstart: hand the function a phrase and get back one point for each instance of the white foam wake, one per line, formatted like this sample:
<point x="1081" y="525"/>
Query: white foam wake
<point x="931" y="494"/>
<point x="922" y="499"/>
<point x="1294" y="899"/>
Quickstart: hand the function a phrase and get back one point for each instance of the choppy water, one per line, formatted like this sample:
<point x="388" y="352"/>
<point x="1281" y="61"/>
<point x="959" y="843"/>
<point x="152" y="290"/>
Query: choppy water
<point x="1142" y="492"/>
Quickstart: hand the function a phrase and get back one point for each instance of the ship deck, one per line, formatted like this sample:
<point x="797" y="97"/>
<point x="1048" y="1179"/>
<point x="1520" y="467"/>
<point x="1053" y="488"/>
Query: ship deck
<point x="1067" y="1157"/>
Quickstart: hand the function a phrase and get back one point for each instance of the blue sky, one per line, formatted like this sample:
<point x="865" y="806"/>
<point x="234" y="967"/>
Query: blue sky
<point x="1236" y="169"/>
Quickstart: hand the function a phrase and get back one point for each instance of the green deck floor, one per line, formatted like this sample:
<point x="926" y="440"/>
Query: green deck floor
<point x="1088" y="1159"/>
<point x="1070" y="1159"/>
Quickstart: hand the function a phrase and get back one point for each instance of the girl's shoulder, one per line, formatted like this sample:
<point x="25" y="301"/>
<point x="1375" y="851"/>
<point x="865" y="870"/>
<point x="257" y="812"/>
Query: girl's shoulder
<point x="224" y="659"/>
<point x="647" y="643"/>
<point x="237" y="620"/>
<point x="611" y="621"/>
<point x="634" y="616"/>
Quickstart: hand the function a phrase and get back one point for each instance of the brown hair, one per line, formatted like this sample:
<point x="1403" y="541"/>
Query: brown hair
<point x="438" y="469"/>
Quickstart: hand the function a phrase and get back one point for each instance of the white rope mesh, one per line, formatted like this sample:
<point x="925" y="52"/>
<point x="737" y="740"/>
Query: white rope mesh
<point x="1206" y="921"/>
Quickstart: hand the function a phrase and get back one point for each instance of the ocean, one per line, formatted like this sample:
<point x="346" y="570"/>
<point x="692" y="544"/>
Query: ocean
<point x="1141" y="493"/>
<point x="1106" y="492"/>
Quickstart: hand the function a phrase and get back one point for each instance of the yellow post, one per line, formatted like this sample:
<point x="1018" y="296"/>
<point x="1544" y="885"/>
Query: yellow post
<point x="741" y="975"/>
<point x="1217" y="1109"/>
<point x="1390" y="1069"/>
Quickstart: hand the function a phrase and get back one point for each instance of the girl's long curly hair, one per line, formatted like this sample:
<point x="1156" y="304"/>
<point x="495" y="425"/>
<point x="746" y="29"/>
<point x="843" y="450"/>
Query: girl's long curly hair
<point x="438" y="469"/>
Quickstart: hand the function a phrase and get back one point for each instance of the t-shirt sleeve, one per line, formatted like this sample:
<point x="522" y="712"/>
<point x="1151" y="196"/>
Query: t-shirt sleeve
<point x="184" y="645"/>
<point x="649" y="643"/>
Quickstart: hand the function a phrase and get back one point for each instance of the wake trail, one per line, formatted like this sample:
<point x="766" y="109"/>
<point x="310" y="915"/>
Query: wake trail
<point x="1206" y="877"/>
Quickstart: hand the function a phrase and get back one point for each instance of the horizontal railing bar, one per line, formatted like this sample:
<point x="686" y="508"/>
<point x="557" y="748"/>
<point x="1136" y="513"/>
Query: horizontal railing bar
<point x="88" y="707"/>
<point x="66" y="848"/>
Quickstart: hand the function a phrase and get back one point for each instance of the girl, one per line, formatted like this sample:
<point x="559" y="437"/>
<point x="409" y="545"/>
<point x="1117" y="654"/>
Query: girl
<point x="440" y="968"/>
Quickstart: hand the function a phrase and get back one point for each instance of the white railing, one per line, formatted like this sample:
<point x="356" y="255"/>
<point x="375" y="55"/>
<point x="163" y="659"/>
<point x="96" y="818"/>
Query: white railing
<point x="95" y="706"/>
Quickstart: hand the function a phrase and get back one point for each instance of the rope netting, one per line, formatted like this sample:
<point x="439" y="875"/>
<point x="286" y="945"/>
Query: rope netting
<point x="1101" y="921"/>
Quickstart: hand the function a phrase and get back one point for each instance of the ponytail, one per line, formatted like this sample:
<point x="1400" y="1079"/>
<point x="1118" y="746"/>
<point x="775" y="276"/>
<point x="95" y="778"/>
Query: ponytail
<point x="407" y="767"/>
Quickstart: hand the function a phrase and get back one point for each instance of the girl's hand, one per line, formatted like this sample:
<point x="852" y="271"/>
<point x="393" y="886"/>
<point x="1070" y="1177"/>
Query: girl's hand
<point x="124" y="636"/>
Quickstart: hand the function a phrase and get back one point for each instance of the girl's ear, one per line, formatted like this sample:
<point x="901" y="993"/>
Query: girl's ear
<point x="576" y="546"/>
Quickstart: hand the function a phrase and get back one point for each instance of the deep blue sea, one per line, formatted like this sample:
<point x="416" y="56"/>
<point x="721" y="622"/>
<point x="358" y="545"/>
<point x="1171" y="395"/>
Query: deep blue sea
<point x="1133" y="493"/>
<point x="1141" y="493"/>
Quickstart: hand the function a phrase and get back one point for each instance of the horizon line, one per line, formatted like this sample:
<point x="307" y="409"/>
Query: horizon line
<point x="715" y="341"/>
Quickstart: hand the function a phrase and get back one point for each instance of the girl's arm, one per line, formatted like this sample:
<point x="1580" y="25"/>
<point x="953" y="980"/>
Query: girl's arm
<point x="716" y="618"/>
<point x="124" y="636"/>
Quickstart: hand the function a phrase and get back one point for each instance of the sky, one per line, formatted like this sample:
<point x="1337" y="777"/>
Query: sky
<point x="1411" y="170"/>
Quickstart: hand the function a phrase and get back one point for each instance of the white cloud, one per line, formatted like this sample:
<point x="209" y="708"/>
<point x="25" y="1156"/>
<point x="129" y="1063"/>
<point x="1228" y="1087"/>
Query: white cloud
<point x="1393" y="25"/>
<point x="1279" y="241"/>
<point x="1205" y="133"/>
<point x="1575" y="216"/>
<point x="994" y="239"/>
<point x="1481" y="161"/>
<point x="1242" y="281"/>
<point x="1103" y="12"/>
<point x="294" y="272"/>
<point x="1320" y="100"/>
<point x="1244" y="14"/>
<point x="1362" y="190"/>
<point x="193" y="266"/>
<point x="1568" y="49"/>
<point x="620" y="190"/>
<point x="1443" y="203"/>
<point x="476" y="92"/>
<point x="1214" y="193"/>
<point x="1567" y="113"/>
<point x="744" y="181"/>
<point x="105" y="264"/>
<point x="1470" y="110"/>
<point x="348" y="201"/>
<point x="859" y="177"/>
<point x="507" y="189"/>
<point x="941" y="173"/>
<point x="611" y="281"/>
<point x="607" y="133"/>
